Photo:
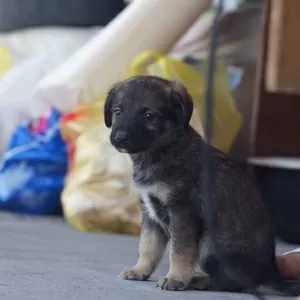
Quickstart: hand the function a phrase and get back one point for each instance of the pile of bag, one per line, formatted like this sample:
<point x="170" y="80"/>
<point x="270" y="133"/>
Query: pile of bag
<point x="64" y="159"/>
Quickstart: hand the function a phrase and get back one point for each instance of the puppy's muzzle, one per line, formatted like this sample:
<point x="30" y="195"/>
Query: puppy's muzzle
<point x="121" y="139"/>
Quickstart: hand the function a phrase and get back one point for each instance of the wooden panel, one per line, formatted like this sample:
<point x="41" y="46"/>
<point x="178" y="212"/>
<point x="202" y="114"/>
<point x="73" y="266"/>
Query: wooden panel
<point x="283" y="63"/>
<point x="276" y="121"/>
<point x="278" y="126"/>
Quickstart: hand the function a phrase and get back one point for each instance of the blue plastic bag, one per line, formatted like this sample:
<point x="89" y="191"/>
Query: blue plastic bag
<point x="33" y="169"/>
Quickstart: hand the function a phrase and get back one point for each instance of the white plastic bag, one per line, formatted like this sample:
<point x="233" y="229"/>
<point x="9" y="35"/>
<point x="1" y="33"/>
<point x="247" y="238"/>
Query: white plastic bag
<point x="34" y="53"/>
<point x="16" y="96"/>
<point x="105" y="59"/>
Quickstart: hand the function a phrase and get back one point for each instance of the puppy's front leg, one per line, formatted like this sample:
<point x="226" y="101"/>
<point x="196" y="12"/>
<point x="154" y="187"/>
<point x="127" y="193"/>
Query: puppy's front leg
<point x="183" y="252"/>
<point x="153" y="242"/>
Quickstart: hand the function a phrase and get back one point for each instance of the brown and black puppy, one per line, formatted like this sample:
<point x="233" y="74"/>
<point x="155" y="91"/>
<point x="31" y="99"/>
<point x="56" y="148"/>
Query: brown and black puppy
<point x="150" y="118"/>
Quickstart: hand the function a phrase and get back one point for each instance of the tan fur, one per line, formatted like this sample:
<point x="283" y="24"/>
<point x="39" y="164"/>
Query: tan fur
<point x="182" y="264"/>
<point x="151" y="250"/>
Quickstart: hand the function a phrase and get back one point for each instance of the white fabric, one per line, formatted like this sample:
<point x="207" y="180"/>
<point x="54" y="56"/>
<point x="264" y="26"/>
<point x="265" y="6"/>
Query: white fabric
<point x="297" y="250"/>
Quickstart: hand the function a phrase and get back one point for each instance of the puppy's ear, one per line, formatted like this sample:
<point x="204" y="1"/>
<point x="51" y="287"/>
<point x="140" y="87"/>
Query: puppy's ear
<point x="108" y="105"/>
<point x="182" y="102"/>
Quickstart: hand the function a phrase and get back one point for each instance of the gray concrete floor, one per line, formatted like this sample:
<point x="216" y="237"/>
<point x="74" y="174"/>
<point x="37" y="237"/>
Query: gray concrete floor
<point x="45" y="259"/>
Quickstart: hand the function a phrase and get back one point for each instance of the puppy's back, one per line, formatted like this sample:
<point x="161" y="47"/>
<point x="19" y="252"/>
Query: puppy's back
<point x="241" y="215"/>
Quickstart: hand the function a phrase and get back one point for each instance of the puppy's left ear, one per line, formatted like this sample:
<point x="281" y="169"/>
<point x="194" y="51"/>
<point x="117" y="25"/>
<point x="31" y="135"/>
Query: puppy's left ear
<point x="108" y="106"/>
<point x="182" y="102"/>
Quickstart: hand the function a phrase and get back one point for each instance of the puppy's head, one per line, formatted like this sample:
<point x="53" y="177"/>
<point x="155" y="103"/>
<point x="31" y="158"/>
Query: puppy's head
<point x="145" y="112"/>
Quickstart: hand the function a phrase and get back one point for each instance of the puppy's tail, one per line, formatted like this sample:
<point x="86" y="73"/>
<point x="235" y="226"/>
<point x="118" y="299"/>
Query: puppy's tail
<point x="277" y="285"/>
<point x="284" y="288"/>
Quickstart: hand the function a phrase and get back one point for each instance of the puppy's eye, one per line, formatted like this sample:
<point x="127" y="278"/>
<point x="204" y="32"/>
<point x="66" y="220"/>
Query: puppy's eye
<point x="149" y="117"/>
<point x="117" y="111"/>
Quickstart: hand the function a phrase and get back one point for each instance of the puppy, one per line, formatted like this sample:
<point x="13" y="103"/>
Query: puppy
<point x="149" y="117"/>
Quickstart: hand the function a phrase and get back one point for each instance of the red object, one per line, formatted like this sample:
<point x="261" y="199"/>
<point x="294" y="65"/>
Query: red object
<point x="289" y="266"/>
<point x="40" y="125"/>
<point x="71" y="116"/>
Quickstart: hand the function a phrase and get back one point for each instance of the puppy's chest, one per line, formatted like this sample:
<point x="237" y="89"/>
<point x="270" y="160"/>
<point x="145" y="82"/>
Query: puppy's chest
<point x="155" y="199"/>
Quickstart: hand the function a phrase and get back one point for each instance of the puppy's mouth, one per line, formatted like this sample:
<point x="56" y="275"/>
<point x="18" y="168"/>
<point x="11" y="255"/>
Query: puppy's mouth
<point x="122" y="150"/>
<point x="129" y="147"/>
<point x="128" y="151"/>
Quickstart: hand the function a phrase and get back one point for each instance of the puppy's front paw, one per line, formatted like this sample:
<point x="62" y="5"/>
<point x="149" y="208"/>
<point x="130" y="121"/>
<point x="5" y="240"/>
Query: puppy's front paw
<point x="134" y="274"/>
<point x="170" y="284"/>
<point x="201" y="282"/>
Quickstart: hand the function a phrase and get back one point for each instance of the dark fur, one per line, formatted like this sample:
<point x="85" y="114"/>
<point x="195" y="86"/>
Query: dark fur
<point x="167" y="154"/>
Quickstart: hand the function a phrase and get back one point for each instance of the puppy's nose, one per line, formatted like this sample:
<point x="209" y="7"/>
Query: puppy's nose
<point x="121" y="137"/>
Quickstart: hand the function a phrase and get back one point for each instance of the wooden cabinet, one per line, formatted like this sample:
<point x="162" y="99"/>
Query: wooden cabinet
<point x="276" y="118"/>
<point x="283" y="63"/>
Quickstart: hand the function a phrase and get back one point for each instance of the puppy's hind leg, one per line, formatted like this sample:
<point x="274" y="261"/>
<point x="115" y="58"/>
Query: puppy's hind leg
<point x="242" y="266"/>
<point x="153" y="241"/>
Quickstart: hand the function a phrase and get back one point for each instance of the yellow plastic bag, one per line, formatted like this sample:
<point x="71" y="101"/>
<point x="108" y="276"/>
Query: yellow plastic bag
<point x="226" y="118"/>
<point x="99" y="193"/>
<point x="5" y="61"/>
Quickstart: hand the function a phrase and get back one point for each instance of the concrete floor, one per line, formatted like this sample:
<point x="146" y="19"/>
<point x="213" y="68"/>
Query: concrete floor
<point x="44" y="259"/>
